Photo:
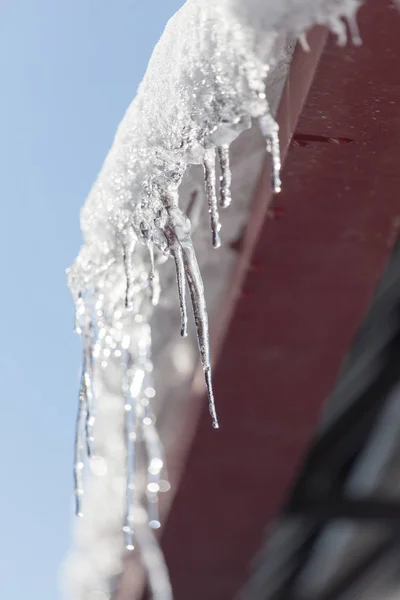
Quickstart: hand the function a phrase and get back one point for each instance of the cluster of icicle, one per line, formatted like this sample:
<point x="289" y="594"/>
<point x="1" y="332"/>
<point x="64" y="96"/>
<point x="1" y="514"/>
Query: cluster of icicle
<point x="204" y="84"/>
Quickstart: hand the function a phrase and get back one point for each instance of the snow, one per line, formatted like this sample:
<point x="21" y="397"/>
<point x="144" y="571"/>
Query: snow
<point x="205" y="83"/>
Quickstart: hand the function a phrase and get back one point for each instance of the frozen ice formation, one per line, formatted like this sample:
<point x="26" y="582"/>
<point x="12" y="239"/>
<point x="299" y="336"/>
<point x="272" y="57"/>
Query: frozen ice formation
<point x="204" y="85"/>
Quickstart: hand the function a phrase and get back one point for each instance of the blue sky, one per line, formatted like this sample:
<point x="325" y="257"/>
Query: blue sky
<point x="69" y="68"/>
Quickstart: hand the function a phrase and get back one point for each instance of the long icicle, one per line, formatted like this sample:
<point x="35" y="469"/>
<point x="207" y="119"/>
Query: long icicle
<point x="156" y="464"/>
<point x="177" y="233"/>
<point x="88" y="382"/>
<point x="196" y="288"/>
<point x="153" y="473"/>
<point x="134" y="385"/>
<point x="209" y="179"/>
<point x="225" y="178"/>
<point x="180" y="279"/>
<point x="130" y="440"/>
<point x="128" y="247"/>
<point x="79" y="451"/>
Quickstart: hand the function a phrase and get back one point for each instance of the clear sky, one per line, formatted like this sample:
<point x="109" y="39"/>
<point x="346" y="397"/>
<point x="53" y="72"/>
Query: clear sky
<point x="68" y="70"/>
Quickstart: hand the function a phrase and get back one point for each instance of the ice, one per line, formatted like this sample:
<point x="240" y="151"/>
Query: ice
<point x="131" y="432"/>
<point x="79" y="449"/>
<point x="270" y="130"/>
<point x="205" y="83"/>
<point x="181" y="282"/>
<point x="201" y="319"/>
<point x="128" y="246"/>
<point x="209" y="179"/>
<point x="153" y="278"/>
<point x="225" y="177"/>
<point x="354" y="30"/>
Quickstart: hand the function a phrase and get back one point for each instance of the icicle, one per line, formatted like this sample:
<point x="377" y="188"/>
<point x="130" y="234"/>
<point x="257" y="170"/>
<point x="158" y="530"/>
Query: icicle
<point x="201" y="319"/>
<point x="156" y="464"/>
<point x="338" y="27"/>
<point x="225" y="177"/>
<point x="132" y="386"/>
<point x="194" y="210"/>
<point x="270" y="130"/>
<point x="354" y="30"/>
<point x="177" y="221"/>
<point x="151" y="256"/>
<point x="87" y="380"/>
<point x="302" y="38"/>
<point x="130" y="475"/>
<point x="79" y="454"/>
<point x="128" y="247"/>
<point x="153" y="277"/>
<point x="180" y="278"/>
<point x="89" y="417"/>
<point x="85" y="417"/>
<point x="209" y="178"/>
<point x="177" y="233"/>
